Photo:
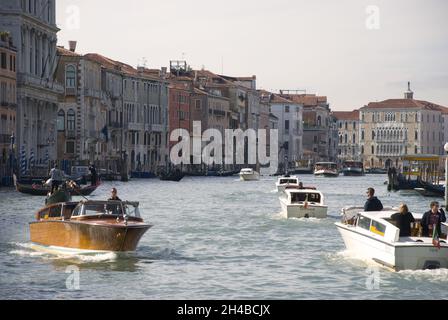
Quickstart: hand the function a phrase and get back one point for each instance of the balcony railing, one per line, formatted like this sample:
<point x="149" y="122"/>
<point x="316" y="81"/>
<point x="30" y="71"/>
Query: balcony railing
<point x="27" y="79"/>
<point x="5" y="138"/>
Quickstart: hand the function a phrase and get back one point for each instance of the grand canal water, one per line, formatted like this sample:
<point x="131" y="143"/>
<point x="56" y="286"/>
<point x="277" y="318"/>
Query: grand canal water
<point x="214" y="238"/>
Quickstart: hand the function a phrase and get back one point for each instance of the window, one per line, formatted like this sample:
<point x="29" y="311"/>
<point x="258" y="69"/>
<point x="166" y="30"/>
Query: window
<point x="71" y="120"/>
<point x="70" y="147"/>
<point x="3" y="60"/>
<point x="198" y="104"/>
<point x="61" y="120"/>
<point x="364" y="222"/>
<point x="287" y="109"/>
<point x="70" y="77"/>
<point x="286" y="126"/>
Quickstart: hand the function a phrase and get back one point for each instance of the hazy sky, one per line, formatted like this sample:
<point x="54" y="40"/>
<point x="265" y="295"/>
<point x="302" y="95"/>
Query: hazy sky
<point x="334" y="48"/>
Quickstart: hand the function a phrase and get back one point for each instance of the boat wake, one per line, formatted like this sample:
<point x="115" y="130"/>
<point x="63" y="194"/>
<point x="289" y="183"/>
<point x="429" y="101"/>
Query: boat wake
<point x="435" y="276"/>
<point x="33" y="250"/>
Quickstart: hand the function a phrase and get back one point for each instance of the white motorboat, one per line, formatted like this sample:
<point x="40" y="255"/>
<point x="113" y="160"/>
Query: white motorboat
<point x="326" y="169"/>
<point x="286" y="181"/>
<point x="303" y="203"/>
<point x="249" y="175"/>
<point x="373" y="236"/>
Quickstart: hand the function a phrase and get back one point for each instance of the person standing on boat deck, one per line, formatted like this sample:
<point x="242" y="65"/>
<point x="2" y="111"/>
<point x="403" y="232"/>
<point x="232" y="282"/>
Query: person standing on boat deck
<point x="93" y="174"/>
<point x="403" y="220"/>
<point x="56" y="178"/>
<point x="372" y="203"/>
<point x="114" y="196"/>
<point x="433" y="219"/>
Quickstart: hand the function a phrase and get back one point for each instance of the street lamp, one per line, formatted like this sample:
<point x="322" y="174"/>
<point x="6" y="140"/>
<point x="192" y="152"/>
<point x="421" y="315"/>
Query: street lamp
<point x="446" y="175"/>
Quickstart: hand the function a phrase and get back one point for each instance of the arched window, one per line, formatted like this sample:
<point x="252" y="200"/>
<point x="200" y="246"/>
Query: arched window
<point x="71" y="122"/>
<point x="61" y="120"/>
<point x="319" y="121"/>
<point x="70" y="77"/>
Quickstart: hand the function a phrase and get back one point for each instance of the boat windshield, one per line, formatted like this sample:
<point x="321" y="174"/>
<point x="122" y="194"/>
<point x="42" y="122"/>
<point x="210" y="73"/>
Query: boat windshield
<point x="107" y="208"/>
<point x="285" y="181"/>
<point x="299" y="197"/>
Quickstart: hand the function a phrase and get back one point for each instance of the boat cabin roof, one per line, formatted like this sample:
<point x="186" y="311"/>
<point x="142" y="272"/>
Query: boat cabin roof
<point x="247" y="170"/>
<point x="386" y="214"/>
<point x="325" y="163"/>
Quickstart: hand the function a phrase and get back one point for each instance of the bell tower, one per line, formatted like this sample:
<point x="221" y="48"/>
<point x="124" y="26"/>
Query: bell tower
<point x="409" y="94"/>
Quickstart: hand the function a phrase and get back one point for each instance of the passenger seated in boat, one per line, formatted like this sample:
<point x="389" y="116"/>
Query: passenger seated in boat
<point x="403" y="220"/>
<point x="372" y="203"/>
<point x="301" y="185"/>
<point x="433" y="219"/>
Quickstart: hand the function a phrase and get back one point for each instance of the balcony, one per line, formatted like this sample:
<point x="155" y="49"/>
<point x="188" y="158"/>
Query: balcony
<point x="26" y="79"/>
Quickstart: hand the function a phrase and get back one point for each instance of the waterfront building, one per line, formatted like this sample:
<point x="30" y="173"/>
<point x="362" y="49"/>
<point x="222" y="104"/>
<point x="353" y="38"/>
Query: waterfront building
<point x="8" y="107"/>
<point x="179" y="109"/>
<point x="319" y="127"/>
<point x="348" y="135"/>
<point x="289" y="116"/>
<point x="82" y="115"/>
<point x="396" y="127"/>
<point x="32" y="26"/>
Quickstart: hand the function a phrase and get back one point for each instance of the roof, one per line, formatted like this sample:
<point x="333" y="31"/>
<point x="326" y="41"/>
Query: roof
<point x="346" y="115"/>
<point x="406" y="103"/>
<point x="65" y="52"/>
<point x="306" y="99"/>
<point x="111" y="64"/>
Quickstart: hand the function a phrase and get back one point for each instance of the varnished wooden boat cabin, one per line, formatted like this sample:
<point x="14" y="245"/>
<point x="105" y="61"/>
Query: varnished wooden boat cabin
<point x="89" y="226"/>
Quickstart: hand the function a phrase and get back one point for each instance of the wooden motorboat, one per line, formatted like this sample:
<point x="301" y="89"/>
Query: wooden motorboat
<point x="43" y="190"/>
<point x="89" y="226"/>
<point x="373" y="236"/>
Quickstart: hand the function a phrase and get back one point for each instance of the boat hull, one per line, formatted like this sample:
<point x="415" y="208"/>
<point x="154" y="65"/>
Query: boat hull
<point x="327" y="174"/>
<point x="397" y="256"/>
<point x="353" y="172"/>
<point x="299" y="211"/>
<point x="112" y="236"/>
<point x="250" y="177"/>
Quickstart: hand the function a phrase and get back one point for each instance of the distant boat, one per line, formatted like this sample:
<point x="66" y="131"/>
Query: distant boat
<point x="352" y="168"/>
<point x="286" y="181"/>
<point x="43" y="190"/>
<point x="326" y="169"/>
<point x="303" y="203"/>
<point x="376" y="171"/>
<point x="142" y="175"/>
<point x="175" y="176"/>
<point x="88" y="226"/>
<point x="249" y="174"/>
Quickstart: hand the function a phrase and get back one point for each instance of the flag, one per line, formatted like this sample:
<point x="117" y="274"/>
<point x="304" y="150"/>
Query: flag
<point x="435" y="237"/>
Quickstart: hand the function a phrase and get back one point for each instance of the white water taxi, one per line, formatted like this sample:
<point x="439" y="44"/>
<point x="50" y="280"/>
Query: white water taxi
<point x="373" y="236"/>
<point x="303" y="203"/>
<point x="286" y="181"/>
<point x="249" y="175"/>
<point x="326" y="169"/>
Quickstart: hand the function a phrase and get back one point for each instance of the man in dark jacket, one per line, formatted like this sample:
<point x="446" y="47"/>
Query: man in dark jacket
<point x="433" y="219"/>
<point x="372" y="203"/>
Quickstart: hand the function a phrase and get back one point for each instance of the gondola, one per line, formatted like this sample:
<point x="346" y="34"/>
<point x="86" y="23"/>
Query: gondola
<point x="42" y="190"/>
<point x="175" y="176"/>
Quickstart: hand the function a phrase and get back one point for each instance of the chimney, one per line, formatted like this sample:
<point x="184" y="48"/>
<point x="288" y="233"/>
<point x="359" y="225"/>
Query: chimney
<point x="164" y="71"/>
<point x="72" y="45"/>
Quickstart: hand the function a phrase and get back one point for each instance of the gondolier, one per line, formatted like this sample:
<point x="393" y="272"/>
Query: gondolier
<point x="56" y="178"/>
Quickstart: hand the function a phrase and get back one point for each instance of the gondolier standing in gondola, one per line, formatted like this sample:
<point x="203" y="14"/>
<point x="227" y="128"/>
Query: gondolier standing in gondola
<point x="56" y="178"/>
